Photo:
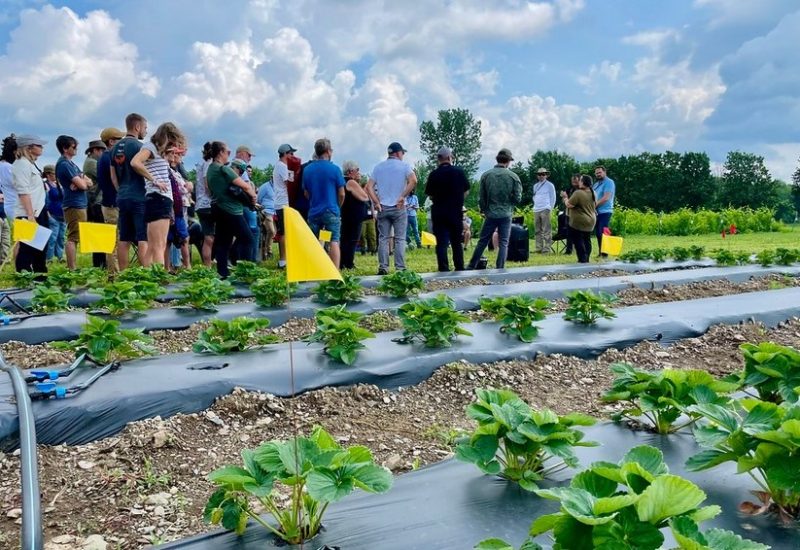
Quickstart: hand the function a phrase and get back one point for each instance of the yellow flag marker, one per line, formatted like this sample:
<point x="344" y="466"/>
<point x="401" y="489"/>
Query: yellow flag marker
<point x="325" y="235"/>
<point x="97" y="237"/>
<point x="306" y="260"/>
<point x="428" y="239"/>
<point x="24" y="230"/>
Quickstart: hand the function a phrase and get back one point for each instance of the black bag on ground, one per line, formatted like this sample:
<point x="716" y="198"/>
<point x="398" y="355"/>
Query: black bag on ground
<point x="518" y="244"/>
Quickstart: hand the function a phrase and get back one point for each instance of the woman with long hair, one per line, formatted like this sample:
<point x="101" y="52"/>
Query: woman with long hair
<point x="582" y="217"/>
<point x="353" y="212"/>
<point x="7" y="158"/>
<point x="151" y="164"/>
<point x="202" y="205"/>
<point x="32" y="192"/>
<point x="227" y="209"/>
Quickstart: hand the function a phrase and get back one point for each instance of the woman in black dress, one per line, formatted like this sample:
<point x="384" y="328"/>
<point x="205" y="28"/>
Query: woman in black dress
<point x="354" y="211"/>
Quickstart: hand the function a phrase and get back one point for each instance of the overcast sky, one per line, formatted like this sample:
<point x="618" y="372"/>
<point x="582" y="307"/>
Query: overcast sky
<point x="588" y="77"/>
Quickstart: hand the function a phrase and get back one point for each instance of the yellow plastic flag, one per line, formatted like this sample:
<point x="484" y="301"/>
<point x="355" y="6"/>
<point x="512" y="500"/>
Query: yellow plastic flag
<point x="24" y="230"/>
<point x="325" y="235"/>
<point x="428" y="239"/>
<point x="97" y="237"/>
<point x="306" y="260"/>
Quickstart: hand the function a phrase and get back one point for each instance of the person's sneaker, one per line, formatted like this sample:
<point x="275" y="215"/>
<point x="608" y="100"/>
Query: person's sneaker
<point x="382" y="271"/>
<point x="281" y="263"/>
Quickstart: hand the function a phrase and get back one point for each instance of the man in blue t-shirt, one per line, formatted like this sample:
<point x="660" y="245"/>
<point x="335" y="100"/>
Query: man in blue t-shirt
<point x="74" y="184"/>
<point x="323" y="185"/>
<point x="130" y="189"/>
<point x="604" y="191"/>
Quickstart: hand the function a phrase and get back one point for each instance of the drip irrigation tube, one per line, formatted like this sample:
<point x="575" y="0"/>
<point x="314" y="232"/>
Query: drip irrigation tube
<point x="186" y="382"/>
<point x="32" y="538"/>
<point x="68" y="325"/>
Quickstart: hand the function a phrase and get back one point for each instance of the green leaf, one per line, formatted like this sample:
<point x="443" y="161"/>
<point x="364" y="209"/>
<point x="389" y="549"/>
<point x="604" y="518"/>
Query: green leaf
<point x="708" y="459"/>
<point x="649" y="458"/>
<point x="571" y="534"/>
<point x="608" y="505"/>
<point x="544" y="523"/>
<point x="595" y="484"/>
<point x="372" y="478"/>
<point x="231" y="476"/>
<point x="720" y="539"/>
<point x="687" y="534"/>
<point x="326" y="485"/>
<point x="493" y="544"/>
<point x="668" y="496"/>
<point x="705" y="513"/>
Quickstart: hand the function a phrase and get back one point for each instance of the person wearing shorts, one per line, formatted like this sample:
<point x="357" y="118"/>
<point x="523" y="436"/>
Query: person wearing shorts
<point x="130" y="188"/>
<point x="202" y="207"/>
<point x="74" y="183"/>
<point x="323" y="185"/>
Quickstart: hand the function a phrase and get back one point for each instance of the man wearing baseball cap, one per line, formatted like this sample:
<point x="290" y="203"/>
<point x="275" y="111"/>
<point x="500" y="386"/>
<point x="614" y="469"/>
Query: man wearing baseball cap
<point x="282" y="177"/>
<point x="448" y="186"/>
<point x="390" y="183"/>
<point x="108" y="193"/>
<point x="94" y="209"/>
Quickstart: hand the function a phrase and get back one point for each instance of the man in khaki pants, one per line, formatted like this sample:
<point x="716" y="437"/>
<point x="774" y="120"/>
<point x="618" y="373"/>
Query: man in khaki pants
<point x="544" y="200"/>
<point x="109" y="136"/>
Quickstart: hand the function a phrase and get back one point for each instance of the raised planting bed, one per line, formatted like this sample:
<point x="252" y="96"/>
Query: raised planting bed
<point x="67" y="326"/>
<point x="167" y="385"/>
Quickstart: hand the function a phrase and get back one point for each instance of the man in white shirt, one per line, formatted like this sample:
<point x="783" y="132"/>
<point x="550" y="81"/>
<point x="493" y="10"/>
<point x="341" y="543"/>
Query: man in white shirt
<point x="281" y="177"/>
<point x="390" y="183"/>
<point x="544" y="200"/>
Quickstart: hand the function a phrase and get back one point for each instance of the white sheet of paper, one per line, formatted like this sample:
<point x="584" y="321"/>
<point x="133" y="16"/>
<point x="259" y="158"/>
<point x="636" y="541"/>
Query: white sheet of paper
<point x="40" y="239"/>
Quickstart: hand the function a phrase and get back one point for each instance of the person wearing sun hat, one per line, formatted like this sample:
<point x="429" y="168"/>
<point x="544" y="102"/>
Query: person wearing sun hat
<point x="108" y="193"/>
<point x="544" y="200"/>
<point x="94" y="197"/>
<point x="32" y="198"/>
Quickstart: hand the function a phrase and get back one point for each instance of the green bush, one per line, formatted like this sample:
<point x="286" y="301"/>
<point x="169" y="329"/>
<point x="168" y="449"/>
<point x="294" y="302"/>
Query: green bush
<point x="340" y="333"/>
<point x="435" y="321"/>
<point x="205" y="293"/>
<point x="196" y="273"/>
<point x="248" y="272"/>
<point x="156" y="273"/>
<point x="49" y="299"/>
<point x="239" y="334"/>
<point x="584" y="307"/>
<point x="123" y="296"/>
<point x="272" y="291"/>
<point x="401" y="284"/>
<point x="349" y="289"/>
<point x="103" y="340"/>
<point x="517" y="314"/>
<point x="684" y="221"/>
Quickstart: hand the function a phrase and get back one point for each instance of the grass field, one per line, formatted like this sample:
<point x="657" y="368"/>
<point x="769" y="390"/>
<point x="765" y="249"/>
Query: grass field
<point x="424" y="260"/>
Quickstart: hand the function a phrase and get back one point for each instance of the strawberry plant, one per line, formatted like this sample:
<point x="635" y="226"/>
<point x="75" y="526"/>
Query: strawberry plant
<point x="680" y="254"/>
<point x="658" y="254"/>
<point x="205" y="293"/>
<point x="123" y="296"/>
<point x="315" y="470"/>
<point x="627" y="505"/>
<point x="663" y="396"/>
<point x="272" y="291"/>
<point x="340" y="334"/>
<point x="724" y="257"/>
<point x="24" y="279"/>
<point x="766" y="257"/>
<point x="772" y="370"/>
<point x="785" y="256"/>
<point x="585" y="307"/>
<point x="104" y="341"/>
<point x="435" y="321"/>
<point x="156" y="273"/>
<point x="697" y="252"/>
<point x="743" y="258"/>
<point x="49" y="299"/>
<point x="340" y="292"/>
<point x="66" y="279"/>
<point x="248" y="272"/>
<point x="763" y="439"/>
<point x="197" y="273"/>
<point x="518" y="443"/>
<point x="517" y="314"/>
<point x="401" y="284"/>
<point x="635" y="256"/>
<point x="239" y="334"/>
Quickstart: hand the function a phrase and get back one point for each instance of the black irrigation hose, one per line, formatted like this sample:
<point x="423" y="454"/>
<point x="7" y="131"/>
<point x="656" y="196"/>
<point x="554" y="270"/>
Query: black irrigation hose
<point x="32" y="538"/>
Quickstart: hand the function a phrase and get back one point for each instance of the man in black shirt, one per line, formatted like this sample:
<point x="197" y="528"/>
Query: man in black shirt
<point x="447" y="187"/>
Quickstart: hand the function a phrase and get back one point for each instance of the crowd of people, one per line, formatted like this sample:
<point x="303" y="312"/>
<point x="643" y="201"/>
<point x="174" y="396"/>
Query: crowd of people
<point x="142" y="187"/>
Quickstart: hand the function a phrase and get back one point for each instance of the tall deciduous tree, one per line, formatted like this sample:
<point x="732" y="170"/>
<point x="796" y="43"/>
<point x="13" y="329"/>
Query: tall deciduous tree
<point x="746" y="181"/>
<point x="561" y="167"/>
<point x="458" y="130"/>
<point x="796" y="187"/>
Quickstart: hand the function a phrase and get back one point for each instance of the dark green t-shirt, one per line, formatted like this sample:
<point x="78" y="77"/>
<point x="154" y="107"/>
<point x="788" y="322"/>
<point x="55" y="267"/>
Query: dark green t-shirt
<point x="582" y="215"/>
<point x="131" y="184"/>
<point x="219" y="178"/>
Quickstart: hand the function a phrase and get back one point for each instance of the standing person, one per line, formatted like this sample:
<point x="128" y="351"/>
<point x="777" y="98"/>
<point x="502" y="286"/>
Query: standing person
<point x="575" y="182"/>
<point x="323" y="185"/>
<point x="7" y="157"/>
<point x="225" y="208"/>
<point x="604" y="190"/>
<point x="297" y="198"/>
<point x="130" y="190"/>
<point x="179" y="228"/>
<point x="94" y="196"/>
<point x="55" y="211"/>
<point x="245" y="154"/>
<point x="582" y="217"/>
<point x="202" y="205"/>
<point x="467" y="228"/>
<point x="369" y="233"/>
<point x="500" y="192"/>
<point x="428" y="219"/>
<point x="108" y="193"/>
<point x="31" y="193"/>
<point x="412" y="231"/>
<point x="390" y="183"/>
<point x="247" y="251"/>
<point x="354" y="212"/>
<point x="266" y="198"/>
<point x="544" y="200"/>
<point x="282" y="178"/>
<point x="152" y="163"/>
<point x="447" y="187"/>
<point x="74" y="184"/>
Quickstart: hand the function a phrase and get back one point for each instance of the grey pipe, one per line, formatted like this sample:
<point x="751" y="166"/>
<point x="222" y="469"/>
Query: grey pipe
<point x="32" y="538"/>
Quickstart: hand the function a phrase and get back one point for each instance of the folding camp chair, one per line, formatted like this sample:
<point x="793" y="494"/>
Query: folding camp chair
<point x="560" y="239"/>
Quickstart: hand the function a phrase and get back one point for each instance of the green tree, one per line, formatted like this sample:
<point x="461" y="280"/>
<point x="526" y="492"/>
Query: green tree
<point x="561" y="167"/>
<point x="695" y="187"/>
<point x="458" y="130"/>
<point x="260" y="175"/>
<point x="796" y="188"/>
<point x="747" y="182"/>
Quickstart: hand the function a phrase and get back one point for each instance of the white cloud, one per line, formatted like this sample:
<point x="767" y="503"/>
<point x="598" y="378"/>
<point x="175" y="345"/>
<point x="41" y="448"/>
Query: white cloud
<point x="608" y="70"/>
<point x="58" y="62"/>
<point x="652" y="39"/>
